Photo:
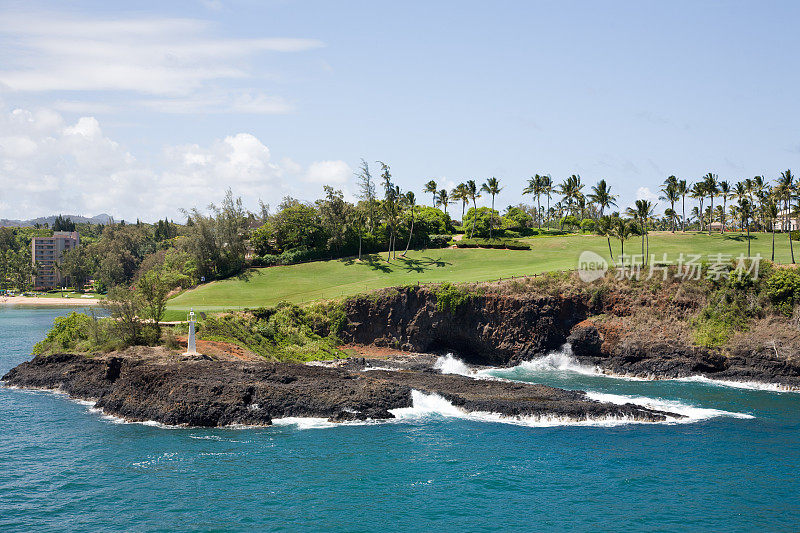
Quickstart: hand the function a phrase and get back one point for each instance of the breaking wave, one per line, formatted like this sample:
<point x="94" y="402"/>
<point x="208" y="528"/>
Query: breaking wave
<point x="691" y="412"/>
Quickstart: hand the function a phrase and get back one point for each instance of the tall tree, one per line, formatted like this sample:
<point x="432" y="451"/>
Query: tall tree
<point x="390" y="200"/>
<point x="431" y="188"/>
<point x="491" y="186"/>
<point x="412" y="203"/>
<point x="536" y="188"/>
<point x="605" y="228"/>
<point x="712" y="189"/>
<point x="682" y="189"/>
<point x="461" y="194"/>
<point x="442" y="199"/>
<point x="601" y="195"/>
<point x="366" y="192"/>
<point x="698" y="191"/>
<point x="547" y="190"/>
<point x="725" y="193"/>
<point x="787" y="188"/>
<point x="671" y="194"/>
<point x="474" y="194"/>
<point x="771" y="214"/>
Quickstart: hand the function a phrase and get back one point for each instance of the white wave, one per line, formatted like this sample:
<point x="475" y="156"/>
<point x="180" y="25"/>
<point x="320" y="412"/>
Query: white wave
<point x="388" y="369"/>
<point x="451" y="365"/>
<point x="425" y="406"/>
<point x="748" y="385"/>
<point x="303" y="422"/>
<point x="691" y="412"/>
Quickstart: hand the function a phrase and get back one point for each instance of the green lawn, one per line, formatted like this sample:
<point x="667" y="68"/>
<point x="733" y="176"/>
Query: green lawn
<point x="337" y="278"/>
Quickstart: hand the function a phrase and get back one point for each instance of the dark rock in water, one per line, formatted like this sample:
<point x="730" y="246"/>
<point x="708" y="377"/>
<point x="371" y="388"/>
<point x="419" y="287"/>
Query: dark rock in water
<point x="585" y="340"/>
<point x="219" y="393"/>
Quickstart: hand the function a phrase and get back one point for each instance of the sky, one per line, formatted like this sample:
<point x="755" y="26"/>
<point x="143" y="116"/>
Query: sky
<point x="139" y="109"/>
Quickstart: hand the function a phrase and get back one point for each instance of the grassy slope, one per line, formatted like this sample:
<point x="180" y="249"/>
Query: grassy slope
<point x="336" y="278"/>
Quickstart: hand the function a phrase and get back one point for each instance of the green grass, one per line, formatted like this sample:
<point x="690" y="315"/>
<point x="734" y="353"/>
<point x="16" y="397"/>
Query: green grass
<point x="338" y="278"/>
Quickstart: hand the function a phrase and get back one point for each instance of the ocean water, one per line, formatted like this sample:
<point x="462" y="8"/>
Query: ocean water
<point x="734" y="466"/>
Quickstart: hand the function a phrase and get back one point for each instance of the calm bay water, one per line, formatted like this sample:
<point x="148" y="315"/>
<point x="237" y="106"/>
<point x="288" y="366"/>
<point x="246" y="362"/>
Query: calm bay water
<point x="63" y="467"/>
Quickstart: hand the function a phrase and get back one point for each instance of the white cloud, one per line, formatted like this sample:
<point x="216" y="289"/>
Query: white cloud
<point x="174" y="61"/>
<point x="328" y="172"/>
<point x="49" y="166"/>
<point x="644" y="193"/>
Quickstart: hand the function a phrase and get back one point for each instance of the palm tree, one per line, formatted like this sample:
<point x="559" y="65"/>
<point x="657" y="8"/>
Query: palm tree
<point x="771" y="213"/>
<point x="642" y="212"/>
<point x="622" y="230"/>
<point x="698" y="191"/>
<point x="787" y="187"/>
<point x="442" y="199"/>
<point x="670" y="190"/>
<point x="683" y="189"/>
<point x="605" y="228"/>
<point x="430" y="188"/>
<point x="672" y="217"/>
<point x="570" y="189"/>
<point x="412" y="203"/>
<point x="536" y="188"/>
<point x="601" y="195"/>
<point x="461" y="193"/>
<point x="547" y="190"/>
<point x="492" y="186"/>
<point x="391" y="198"/>
<point x="711" y="186"/>
<point x="725" y="193"/>
<point x="474" y="194"/>
<point x="746" y="211"/>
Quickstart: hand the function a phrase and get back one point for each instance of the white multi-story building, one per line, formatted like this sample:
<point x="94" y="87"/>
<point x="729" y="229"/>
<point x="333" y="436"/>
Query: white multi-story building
<point x="47" y="252"/>
<point x="787" y="221"/>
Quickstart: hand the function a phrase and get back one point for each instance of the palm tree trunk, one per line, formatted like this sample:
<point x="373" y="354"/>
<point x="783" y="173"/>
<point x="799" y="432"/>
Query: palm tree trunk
<point x="609" y="250"/>
<point x="548" y="211"/>
<point x="711" y="216"/>
<point x="474" y="217"/>
<point x="748" y="238"/>
<point x="411" y="233"/>
<point x="773" y="242"/>
<point x="539" y="210"/>
<point x="491" y="219"/>
<point x="791" y="247"/>
<point x="672" y="206"/>
<point x="683" y="221"/>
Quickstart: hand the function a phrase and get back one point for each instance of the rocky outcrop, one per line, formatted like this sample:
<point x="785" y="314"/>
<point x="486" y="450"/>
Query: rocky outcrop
<point x="492" y="328"/>
<point x="503" y="329"/>
<point x="220" y="393"/>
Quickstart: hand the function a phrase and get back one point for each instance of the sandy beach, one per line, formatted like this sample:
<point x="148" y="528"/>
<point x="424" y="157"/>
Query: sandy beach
<point x="43" y="302"/>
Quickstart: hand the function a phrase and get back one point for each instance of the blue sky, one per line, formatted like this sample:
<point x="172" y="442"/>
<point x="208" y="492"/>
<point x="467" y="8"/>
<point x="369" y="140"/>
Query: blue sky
<point x="140" y="111"/>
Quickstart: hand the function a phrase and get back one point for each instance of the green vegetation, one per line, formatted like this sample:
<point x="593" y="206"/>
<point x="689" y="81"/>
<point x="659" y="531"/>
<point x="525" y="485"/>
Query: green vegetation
<point x="783" y="289"/>
<point x="337" y="278"/>
<point x="282" y="333"/>
<point x="496" y="243"/>
<point x="450" y="297"/>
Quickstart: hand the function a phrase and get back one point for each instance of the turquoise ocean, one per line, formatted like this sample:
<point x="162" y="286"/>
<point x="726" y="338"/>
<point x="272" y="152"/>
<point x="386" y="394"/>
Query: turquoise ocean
<point x="735" y="466"/>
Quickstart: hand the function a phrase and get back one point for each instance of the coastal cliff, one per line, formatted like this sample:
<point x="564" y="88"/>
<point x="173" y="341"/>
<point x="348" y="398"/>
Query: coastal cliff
<point x="616" y="328"/>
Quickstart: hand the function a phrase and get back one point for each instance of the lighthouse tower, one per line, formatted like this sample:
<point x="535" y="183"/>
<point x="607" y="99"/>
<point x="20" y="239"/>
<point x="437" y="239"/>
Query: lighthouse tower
<point x="191" y="348"/>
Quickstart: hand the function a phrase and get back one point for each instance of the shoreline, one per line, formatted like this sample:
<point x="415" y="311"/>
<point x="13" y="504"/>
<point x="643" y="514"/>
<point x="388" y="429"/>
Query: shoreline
<point x="37" y="301"/>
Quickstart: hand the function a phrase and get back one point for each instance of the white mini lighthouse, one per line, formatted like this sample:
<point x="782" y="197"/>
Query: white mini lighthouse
<point x="191" y="348"/>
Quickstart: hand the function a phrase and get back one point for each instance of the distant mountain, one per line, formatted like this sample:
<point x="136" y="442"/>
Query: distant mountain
<point x="98" y="219"/>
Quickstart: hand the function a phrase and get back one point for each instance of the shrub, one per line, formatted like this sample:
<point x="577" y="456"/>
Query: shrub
<point x="795" y="235"/>
<point x="450" y="297"/>
<point x="507" y="244"/>
<point x="783" y="288"/>
<point x="439" y="241"/>
<point x="588" y="225"/>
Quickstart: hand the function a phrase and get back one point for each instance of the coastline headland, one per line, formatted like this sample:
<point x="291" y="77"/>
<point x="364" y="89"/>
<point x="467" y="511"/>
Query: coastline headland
<point x="634" y="329"/>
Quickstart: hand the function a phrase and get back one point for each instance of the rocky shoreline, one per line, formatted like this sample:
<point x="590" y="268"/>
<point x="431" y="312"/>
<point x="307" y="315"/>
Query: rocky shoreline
<point x="501" y="329"/>
<point x="220" y="393"/>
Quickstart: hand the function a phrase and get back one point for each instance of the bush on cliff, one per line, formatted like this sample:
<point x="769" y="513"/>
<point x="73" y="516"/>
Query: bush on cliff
<point x="77" y="332"/>
<point x="282" y="333"/>
<point x="783" y="288"/>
